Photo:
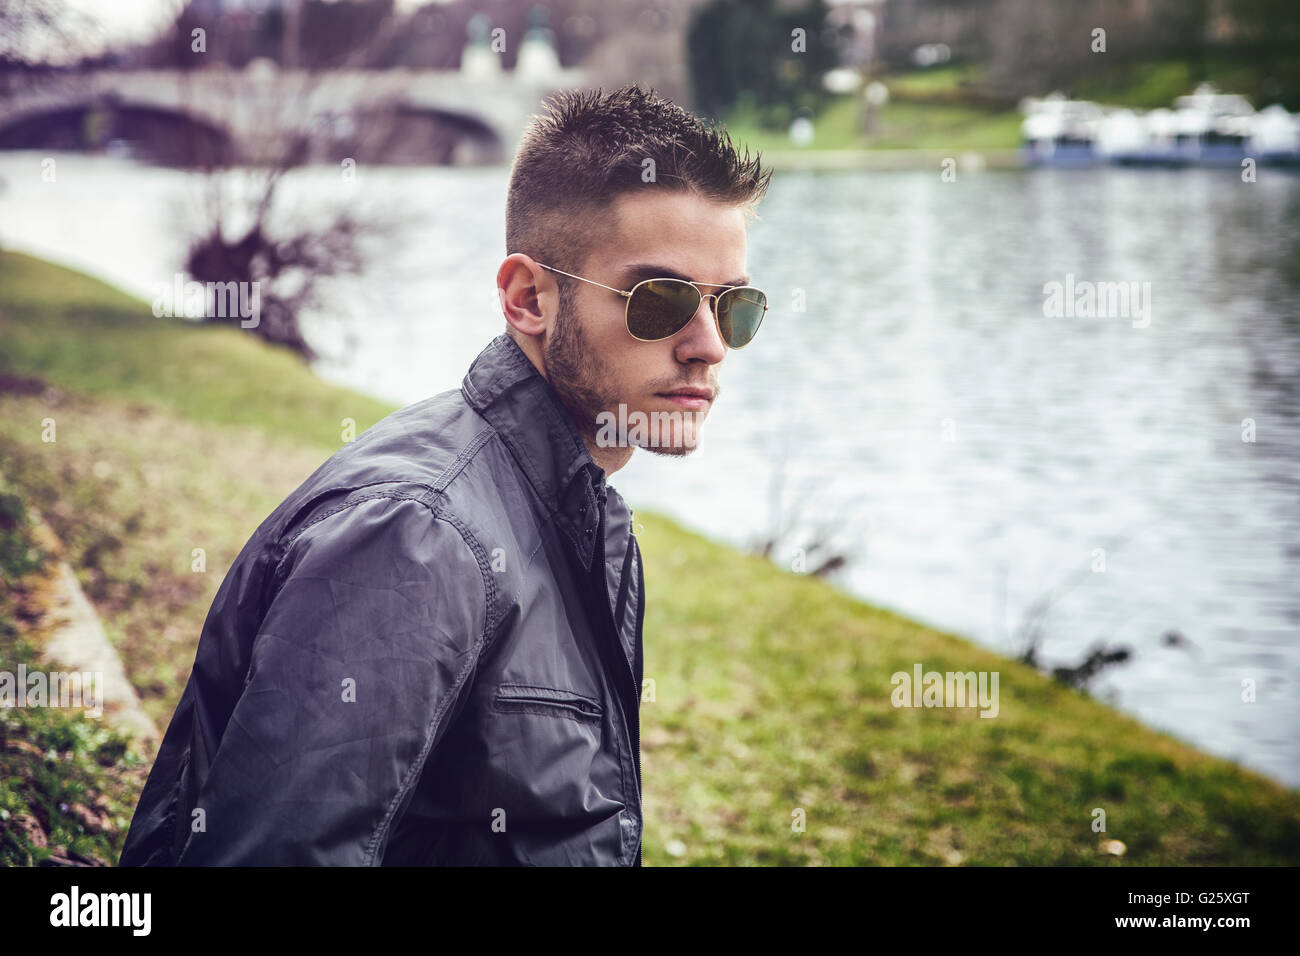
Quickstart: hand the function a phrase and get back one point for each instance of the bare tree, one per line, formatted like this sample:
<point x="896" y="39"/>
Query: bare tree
<point x="241" y="237"/>
<point x="40" y="42"/>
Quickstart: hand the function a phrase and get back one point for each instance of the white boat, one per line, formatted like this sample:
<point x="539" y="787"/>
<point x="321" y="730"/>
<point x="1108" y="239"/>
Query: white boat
<point x="1204" y="128"/>
<point x="1058" y="131"/>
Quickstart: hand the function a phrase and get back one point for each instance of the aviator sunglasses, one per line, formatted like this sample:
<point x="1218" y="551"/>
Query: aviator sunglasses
<point x="660" y="308"/>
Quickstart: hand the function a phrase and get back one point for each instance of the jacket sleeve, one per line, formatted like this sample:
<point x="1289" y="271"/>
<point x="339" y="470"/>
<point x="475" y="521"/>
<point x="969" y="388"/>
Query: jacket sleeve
<point x="363" y="658"/>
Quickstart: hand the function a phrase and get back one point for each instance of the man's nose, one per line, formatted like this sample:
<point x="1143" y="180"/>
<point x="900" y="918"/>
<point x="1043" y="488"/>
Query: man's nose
<point x="703" y="340"/>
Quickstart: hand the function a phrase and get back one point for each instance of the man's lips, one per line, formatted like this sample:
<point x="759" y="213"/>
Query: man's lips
<point x="689" y="397"/>
<point x="692" y="393"/>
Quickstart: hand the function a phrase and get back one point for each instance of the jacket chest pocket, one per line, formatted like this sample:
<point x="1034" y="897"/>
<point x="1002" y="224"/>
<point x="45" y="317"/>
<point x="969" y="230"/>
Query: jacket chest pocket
<point x="552" y="774"/>
<point x="547" y="702"/>
<point x="548" y="755"/>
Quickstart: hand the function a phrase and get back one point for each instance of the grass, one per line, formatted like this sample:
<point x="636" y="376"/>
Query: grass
<point x="949" y="108"/>
<point x="904" y="124"/>
<point x="935" y="81"/>
<point x="1152" y="84"/>
<point x="68" y="784"/>
<point x="771" y="690"/>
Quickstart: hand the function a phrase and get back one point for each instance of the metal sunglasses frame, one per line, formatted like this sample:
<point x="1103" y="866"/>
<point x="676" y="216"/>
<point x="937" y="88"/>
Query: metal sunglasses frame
<point x="715" y="296"/>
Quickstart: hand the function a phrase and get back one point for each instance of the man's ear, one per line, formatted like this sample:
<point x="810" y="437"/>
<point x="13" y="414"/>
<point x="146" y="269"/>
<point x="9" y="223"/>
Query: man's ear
<point x="529" y="295"/>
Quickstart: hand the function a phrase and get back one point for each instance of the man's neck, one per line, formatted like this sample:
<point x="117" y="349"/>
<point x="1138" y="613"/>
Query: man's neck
<point x="609" y="460"/>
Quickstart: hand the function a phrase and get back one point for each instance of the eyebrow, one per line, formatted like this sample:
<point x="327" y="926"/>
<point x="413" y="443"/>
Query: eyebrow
<point x="649" y="270"/>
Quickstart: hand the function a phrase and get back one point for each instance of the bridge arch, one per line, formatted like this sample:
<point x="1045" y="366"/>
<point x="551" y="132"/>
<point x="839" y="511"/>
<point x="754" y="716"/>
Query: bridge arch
<point x="152" y="132"/>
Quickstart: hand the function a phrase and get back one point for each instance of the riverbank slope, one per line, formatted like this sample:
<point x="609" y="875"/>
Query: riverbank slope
<point x="771" y="738"/>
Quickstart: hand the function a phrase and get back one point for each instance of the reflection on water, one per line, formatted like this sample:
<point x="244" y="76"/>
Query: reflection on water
<point x="975" y="454"/>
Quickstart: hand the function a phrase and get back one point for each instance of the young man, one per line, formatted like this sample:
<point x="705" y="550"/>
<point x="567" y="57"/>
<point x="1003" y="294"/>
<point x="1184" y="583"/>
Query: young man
<point x="430" y="653"/>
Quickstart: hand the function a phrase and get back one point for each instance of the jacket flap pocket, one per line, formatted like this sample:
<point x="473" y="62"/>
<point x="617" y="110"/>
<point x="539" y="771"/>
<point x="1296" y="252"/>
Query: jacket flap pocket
<point x="548" y="701"/>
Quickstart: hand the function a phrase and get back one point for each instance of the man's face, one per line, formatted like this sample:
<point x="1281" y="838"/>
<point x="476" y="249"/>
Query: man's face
<point x="595" y="364"/>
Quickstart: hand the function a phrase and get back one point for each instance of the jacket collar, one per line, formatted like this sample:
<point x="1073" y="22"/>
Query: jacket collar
<point x="504" y="386"/>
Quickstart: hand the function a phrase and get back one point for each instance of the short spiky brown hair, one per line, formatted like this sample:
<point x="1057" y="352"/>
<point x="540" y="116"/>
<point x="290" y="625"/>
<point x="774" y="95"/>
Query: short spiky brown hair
<point x="591" y="145"/>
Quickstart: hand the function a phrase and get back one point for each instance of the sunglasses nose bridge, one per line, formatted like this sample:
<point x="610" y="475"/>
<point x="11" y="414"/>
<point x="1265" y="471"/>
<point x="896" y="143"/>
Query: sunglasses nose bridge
<point x="714" y="321"/>
<point x="717" y="300"/>
<point x="713" y="306"/>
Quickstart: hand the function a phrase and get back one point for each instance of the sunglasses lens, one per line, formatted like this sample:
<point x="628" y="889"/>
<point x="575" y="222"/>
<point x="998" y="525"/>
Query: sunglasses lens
<point x="740" y="311"/>
<point x="661" y="307"/>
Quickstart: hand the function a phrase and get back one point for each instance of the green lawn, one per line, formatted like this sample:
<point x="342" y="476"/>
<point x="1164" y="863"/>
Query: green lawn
<point x="940" y="108"/>
<point x="1153" y="84"/>
<point x="771" y="689"/>
<point x="903" y="125"/>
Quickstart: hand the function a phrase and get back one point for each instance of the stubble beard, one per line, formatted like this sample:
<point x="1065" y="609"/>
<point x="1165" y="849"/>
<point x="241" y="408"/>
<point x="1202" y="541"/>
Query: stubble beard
<point x="571" y="371"/>
<point x="570" y="368"/>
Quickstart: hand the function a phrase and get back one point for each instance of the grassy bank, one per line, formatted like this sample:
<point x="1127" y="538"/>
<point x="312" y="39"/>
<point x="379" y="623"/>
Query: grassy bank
<point x="903" y="124"/>
<point x="772" y="690"/>
<point x="952" y="109"/>
<point x="68" y="783"/>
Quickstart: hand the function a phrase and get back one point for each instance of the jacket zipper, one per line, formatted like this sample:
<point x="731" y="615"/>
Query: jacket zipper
<point x="640" y="673"/>
<point x="634" y="721"/>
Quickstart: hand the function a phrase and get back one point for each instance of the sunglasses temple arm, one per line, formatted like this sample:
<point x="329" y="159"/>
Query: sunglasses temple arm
<point x="591" y="281"/>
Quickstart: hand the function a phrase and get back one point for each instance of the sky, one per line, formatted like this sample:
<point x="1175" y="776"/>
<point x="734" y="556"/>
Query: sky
<point x="137" y="19"/>
<point x="127" y="19"/>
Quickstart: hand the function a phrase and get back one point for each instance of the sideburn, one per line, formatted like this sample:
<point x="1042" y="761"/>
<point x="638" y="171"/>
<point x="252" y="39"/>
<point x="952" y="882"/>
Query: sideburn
<point x="571" y="369"/>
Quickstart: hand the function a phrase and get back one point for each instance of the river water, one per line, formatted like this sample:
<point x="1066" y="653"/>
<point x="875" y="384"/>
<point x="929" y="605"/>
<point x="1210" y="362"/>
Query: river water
<point x="983" y="459"/>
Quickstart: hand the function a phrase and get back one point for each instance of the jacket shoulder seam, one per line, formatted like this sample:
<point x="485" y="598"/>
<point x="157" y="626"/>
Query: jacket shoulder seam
<point x="430" y="500"/>
<point x="476" y="652"/>
<point x="471" y="662"/>
<point x="439" y="487"/>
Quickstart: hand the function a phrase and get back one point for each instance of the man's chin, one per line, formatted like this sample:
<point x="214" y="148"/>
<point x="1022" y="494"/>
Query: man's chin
<point x="671" y="451"/>
<point x="677" y="439"/>
<point x="674" y="433"/>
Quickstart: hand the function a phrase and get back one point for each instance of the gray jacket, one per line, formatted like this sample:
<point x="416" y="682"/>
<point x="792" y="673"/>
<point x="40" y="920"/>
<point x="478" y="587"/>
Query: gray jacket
<point x="429" y="653"/>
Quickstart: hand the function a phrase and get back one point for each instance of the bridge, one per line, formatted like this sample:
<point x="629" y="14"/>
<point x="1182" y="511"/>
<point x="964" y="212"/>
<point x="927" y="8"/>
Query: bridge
<point x="254" y="115"/>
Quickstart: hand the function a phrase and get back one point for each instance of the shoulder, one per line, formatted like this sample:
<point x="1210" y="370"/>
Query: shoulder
<point x="414" y="454"/>
<point x="391" y="546"/>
